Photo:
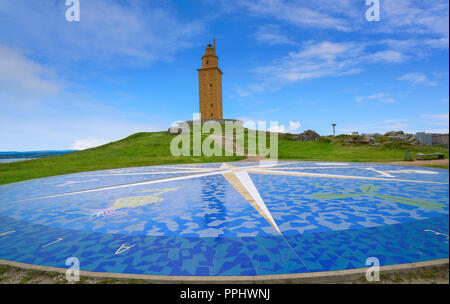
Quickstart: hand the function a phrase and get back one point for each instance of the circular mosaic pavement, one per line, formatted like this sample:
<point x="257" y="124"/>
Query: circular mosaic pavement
<point x="228" y="219"/>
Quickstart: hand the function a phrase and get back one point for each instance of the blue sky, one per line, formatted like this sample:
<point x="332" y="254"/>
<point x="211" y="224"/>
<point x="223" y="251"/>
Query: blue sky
<point x="130" y="66"/>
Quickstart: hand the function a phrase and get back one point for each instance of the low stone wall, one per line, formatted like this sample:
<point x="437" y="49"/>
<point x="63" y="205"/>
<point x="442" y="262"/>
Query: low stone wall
<point x="177" y="129"/>
<point x="221" y="121"/>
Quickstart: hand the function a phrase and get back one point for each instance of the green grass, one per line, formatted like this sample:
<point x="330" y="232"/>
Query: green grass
<point x="26" y="279"/>
<point x="328" y="151"/>
<point x="107" y="281"/>
<point x="81" y="281"/>
<point x="4" y="269"/>
<point x="141" y="149"/>
<point x="146" y="149"/>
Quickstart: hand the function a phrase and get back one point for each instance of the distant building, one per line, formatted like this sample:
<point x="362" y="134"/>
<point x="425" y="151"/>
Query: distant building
<point x="432" y="139"/>
<point x="439" y="139"/>
<point x="424" y="138"/>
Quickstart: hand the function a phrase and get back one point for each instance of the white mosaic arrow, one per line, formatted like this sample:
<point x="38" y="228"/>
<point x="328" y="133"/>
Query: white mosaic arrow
<point x="237" y="176"/>
<point x="242" y="182"/>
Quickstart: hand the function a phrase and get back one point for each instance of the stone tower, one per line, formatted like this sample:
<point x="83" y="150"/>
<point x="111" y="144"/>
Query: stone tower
<point x="210" y="85"/>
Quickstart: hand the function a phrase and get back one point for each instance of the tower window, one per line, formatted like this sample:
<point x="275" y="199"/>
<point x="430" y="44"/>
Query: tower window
<point x="212" y="105"/>
<point x="207" y="62"/>
<point x="210" y="85"/>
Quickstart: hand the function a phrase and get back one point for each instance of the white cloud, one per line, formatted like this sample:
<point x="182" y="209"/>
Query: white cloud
<point x="314" y="61"/>
<point x="266" y="112"/>
<point x="414" y="48"/>
<point x="406" y="16"/>
<point x="109" y="31"/>
<point x="293" y="126"/>
<point x="87" y="143"/>
<point x="278" y="129"/>
<point x="415" y="16"/>
<point x="388" y="56"/>
<point x="271" y="35"/>
<point x="380" y="97"/>
<point x="241" y="92"/>
<point x="436" y="119"/>
<point x="328" y="50"/>
<point x="21" y="77"/>
<point x="255" y="124"/>
<point x="441" y="43"/>
<point x="56" y="127"/>
<point x="416" y="78"/>
<point x="318" y="59"/>
<point x="321" y="59"/>
<point x="302" y="14"/>
<point x="435" y="131"/>
<point x="248" y="123"/>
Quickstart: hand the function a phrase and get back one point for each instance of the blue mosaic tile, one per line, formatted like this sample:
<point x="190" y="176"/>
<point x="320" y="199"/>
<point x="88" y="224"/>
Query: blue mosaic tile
<point x="192" y="224"/>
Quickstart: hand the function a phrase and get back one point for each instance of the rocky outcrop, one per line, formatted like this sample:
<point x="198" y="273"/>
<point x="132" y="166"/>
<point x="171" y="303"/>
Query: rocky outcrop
<point x="400" y="136"/>
<point x="308" y="135"/>
<point x="371" y="139"/>
<point x="395" y="133"/>
<point x="359" y="140"/>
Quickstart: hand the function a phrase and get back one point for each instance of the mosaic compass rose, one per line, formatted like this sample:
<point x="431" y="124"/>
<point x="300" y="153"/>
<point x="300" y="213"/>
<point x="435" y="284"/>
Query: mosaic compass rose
<point x="238" y="177"/>
<point x="221" y="219"/>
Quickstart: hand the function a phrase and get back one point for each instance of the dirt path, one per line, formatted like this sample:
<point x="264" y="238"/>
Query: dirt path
<point x="434" y="162"/>
<point x="253" y="158"/>
<point x="15" y="275"/>
<point x="227" y="141"/>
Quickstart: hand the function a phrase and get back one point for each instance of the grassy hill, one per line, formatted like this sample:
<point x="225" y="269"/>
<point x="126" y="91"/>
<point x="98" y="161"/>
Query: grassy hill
<point x="141" y="149"/>
<point x="146" y="149"/>
<point x="331" y="149"/>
